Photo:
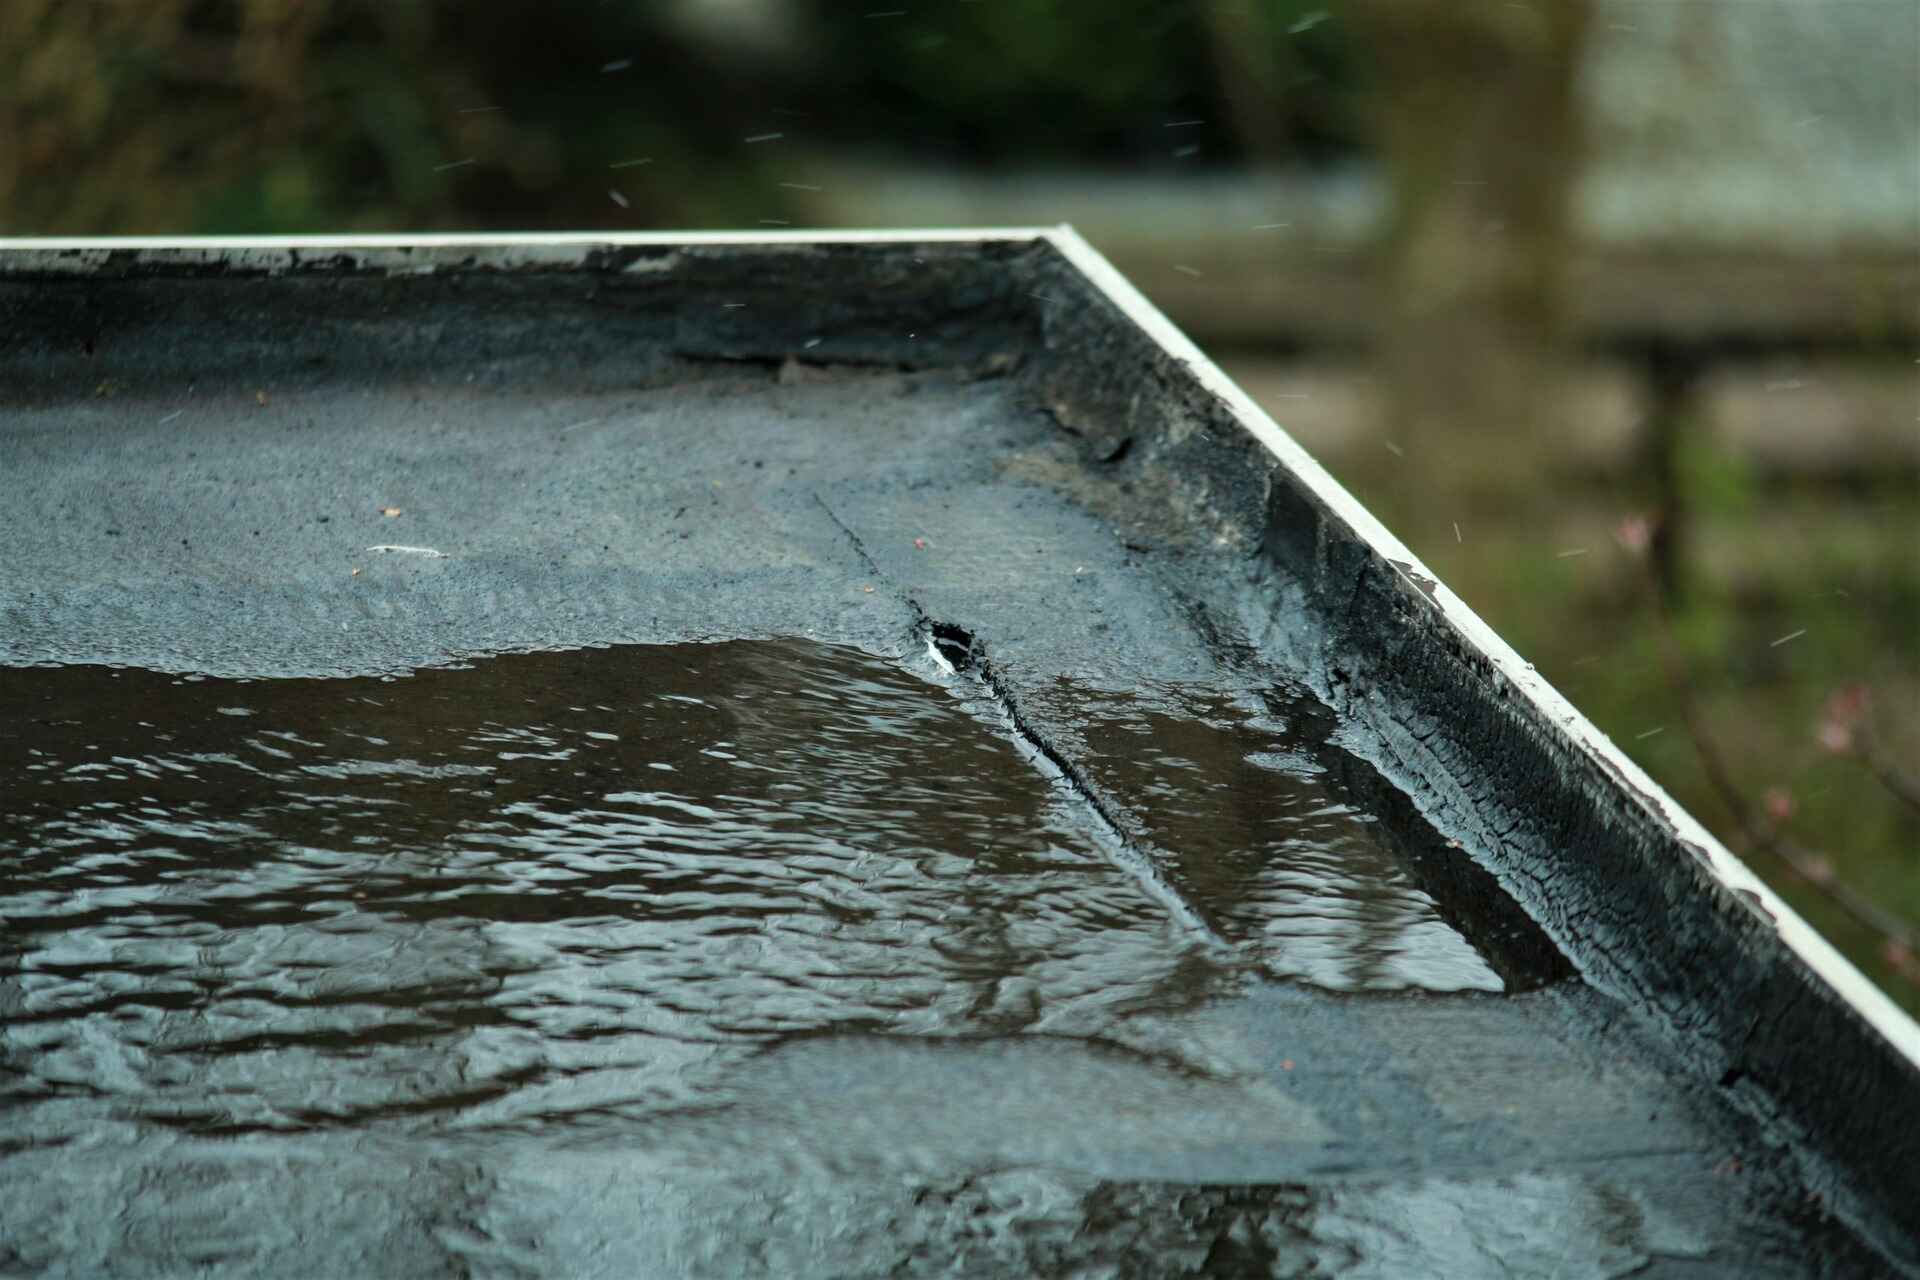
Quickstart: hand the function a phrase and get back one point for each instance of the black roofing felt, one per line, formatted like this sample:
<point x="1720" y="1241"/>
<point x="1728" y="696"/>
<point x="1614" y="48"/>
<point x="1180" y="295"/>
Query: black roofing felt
<point x="877" y="444"/>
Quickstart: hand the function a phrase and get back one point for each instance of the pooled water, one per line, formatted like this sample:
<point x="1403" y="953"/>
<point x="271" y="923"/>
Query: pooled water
<point x="776" y="900"/>
<point x="1248" y="827"/>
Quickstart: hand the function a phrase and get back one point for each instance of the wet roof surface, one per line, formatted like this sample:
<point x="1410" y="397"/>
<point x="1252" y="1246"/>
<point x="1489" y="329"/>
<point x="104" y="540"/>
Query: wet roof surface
<point x="824" y="842"/>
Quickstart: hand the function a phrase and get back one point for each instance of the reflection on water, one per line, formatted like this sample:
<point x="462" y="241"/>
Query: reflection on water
<point x="684" y="900"/>
<point x="1247" y="827"/>
<point x="334" y="1210"/>
<point x="546" y="884"/>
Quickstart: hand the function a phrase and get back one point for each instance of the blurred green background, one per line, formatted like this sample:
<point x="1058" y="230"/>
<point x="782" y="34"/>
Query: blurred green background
<point x="1608" y="307"/>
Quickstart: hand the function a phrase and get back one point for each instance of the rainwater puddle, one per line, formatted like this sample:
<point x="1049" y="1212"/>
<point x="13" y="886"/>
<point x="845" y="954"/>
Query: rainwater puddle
<point x="550" y="883"/>
<point x="771" y="904"/>
<point x="1248" y="827"/>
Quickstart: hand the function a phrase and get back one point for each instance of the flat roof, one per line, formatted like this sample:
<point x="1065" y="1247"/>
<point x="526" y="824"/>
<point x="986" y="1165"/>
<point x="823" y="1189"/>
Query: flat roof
<point x="877" y="439"/>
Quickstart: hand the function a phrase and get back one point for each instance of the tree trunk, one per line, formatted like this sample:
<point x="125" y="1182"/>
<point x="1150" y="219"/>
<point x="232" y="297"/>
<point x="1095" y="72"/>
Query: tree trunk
<point x="1478" y="120"/>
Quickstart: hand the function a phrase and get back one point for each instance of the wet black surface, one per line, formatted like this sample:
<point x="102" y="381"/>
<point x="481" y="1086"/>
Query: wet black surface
<point x="760" y="957"/>
<point x="269" y="905"/>
<point x="1113" y="964"/>
<point x="1242" y="813"/>
<point x="279" y="900"/>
